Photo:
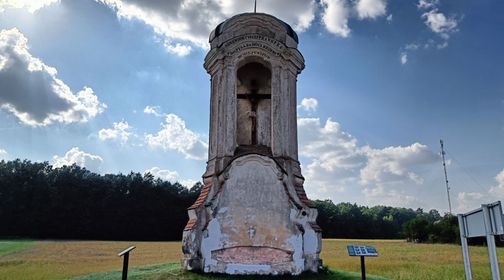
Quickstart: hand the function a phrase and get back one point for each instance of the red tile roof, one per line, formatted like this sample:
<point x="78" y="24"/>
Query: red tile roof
<point x="302" y="195"/>
<point x="202" y="197"/>
<point x="191" y="224"/>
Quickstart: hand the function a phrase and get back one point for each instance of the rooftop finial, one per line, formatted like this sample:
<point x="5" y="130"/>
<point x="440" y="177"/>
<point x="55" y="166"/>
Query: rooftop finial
<point x="255" y="6"/>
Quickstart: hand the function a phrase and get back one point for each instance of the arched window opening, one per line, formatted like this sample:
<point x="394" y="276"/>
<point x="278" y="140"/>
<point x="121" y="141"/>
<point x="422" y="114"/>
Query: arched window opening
<point x="254" y="105"/>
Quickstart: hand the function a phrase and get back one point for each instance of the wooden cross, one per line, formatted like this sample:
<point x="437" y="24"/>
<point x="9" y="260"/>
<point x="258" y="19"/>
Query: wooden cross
<point x="254" y="98"/>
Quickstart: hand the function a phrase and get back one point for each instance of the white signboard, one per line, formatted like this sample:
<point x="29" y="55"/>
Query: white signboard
<point x="496" y="218"/>
<point x="486" y="221"/>
<point x="474" y="224"/>
<point x="474" y="221"/>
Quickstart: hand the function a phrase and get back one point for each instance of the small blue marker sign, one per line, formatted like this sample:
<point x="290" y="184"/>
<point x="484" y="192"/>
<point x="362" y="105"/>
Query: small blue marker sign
<point x="364" y="251"/>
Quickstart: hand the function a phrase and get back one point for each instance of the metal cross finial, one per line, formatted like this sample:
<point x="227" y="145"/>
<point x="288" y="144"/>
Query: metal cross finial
<point x="255" y="6"/>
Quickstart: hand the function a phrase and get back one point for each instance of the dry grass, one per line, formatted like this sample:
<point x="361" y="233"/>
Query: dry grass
<point x="401" y="260"/>
<point x="397" y="260"/>
<point x="63" y="259"/>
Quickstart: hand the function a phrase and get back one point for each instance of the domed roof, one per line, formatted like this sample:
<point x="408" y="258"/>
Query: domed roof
<point x="224" y="25"/>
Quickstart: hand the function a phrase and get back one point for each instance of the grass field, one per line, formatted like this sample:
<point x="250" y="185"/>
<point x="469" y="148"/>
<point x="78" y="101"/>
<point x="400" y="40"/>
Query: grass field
<point x="159" y="260"/>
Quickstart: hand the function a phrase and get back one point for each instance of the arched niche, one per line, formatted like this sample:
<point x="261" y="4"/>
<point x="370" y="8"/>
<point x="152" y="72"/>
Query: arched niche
<point x="253" y="110"/>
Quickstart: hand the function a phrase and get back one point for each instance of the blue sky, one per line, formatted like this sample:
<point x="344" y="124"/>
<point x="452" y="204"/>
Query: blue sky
<point x="118" y="86"/>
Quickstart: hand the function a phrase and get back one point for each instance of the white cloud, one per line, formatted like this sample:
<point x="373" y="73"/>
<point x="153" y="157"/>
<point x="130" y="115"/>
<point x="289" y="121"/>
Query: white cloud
<point x="439" y="23"/>
<point x="163" y="174"/>
<point x="334" y="158"/>
<point x="182" y="23"/>
<point x="336" y="163"/>
<point x="82" y="159"/>
<point x="31" y="5"/>
<point x="3" y="154"/>
<point x="152" y="110"/>
<point x="404" y="58"/>
<point x="171" y="176"/>
<point x="468" y="201"/>
<point x="175" y="136"/>
<point x="178" y="49"/>
<point x="32" y="92"/>
<point x="427" y="4"/>
<point x="371" y="8"/>
<point x="412" y="46"/>
<point x="379" y="195"/>
<point x="389" y="18"/>
<point x="299" y="14"/>
<point x="335" y="17"/>
<point x="393" y="164"/>
<point x="498" y="190"/>
<point x="121" y="131"/>
<point x="309" y="104"/>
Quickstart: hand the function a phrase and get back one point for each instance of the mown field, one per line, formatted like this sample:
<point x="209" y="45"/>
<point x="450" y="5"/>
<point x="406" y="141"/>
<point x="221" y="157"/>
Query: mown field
<point x="159" y="260"/>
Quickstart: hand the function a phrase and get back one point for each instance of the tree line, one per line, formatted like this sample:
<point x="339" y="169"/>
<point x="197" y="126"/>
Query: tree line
<point x="70" y="202"/>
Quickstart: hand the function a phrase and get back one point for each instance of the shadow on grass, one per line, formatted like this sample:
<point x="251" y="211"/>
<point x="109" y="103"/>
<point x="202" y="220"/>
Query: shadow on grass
<point x="174" y="271"/>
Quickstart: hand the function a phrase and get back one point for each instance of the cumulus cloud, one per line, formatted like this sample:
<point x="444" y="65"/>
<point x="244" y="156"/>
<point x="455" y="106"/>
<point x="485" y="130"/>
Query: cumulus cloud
<point x="82" y="159"/>
<point x="427" y="4"/>
<point x="336" y="163"/>
<point x="33" y="93"/>
<point x="183" y="23"/>
<point x="371" y="8"/>
<point x="308" y="104"/>
<point x="335" y="17"/>
<point x="163" y="174"/>
<point x="178" y="49"/>
<point x="31" y="5"/>
<point x="174" y="135"/>
<point x="439" y="23"/>
<point x="334" y="157"/>
<point x="153" y="110"/>
<point x="498" y="190"/>
<point x="120" y="131"/>
<point x="404" y="58"/>
<point x="171" y="176"/>
<point x="3" y="154"/>
<point x="395" y="163"/>
<point x="380" y="195"/>
<point x="467" y="201"/>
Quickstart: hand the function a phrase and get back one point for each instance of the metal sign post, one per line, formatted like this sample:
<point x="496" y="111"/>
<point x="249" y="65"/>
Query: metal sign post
<point x="362" y="251"/>
<point x="486" y="221"/>
<point x="125" y="253"/>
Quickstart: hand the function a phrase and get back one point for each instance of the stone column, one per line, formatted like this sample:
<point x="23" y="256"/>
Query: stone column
<point x="229" y="105"/>
<point x="276" y="116"/>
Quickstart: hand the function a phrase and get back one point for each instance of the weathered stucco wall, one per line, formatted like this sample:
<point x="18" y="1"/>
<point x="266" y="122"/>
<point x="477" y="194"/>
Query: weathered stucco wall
<point x="252" y="221"/>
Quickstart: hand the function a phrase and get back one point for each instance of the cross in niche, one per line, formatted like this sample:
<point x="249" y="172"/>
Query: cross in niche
<point x="254" y="98"/>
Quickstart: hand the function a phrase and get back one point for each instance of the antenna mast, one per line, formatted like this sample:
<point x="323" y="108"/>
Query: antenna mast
<point x="445" y="174"/>
<point x="255" y="6"/>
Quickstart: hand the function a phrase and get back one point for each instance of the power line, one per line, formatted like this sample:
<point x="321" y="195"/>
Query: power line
<point x="464" y="170"/>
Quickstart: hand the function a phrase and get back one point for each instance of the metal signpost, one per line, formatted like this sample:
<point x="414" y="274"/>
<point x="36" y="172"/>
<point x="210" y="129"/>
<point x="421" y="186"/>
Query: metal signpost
<point x="485" y="221"/>
<point x="362" y="251"/>
<point x="125" y="253"/>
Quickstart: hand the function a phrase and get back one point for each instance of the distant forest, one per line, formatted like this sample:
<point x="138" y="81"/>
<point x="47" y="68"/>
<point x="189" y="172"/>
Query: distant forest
<point x="41" y="202"/>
